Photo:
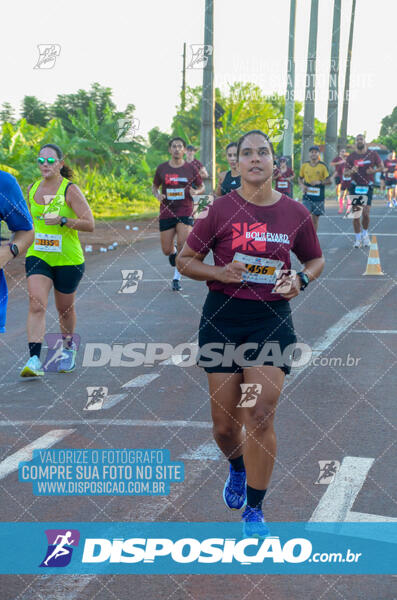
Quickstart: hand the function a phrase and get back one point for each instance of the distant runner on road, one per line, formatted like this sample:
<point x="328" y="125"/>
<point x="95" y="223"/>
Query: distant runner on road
<point x="173" y="188"/>
<point x="229" y="180"/>
<point x="283" y="177"/>
<point x="361" y="165"/>
<point x="313" y="176"/>
<point x="190" y="158"/>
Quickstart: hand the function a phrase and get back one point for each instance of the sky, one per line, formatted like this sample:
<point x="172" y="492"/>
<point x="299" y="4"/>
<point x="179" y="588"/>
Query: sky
<point x="135" y="48"/>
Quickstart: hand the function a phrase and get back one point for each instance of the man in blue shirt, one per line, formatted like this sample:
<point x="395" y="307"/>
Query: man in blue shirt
<point x="14" y="211"/>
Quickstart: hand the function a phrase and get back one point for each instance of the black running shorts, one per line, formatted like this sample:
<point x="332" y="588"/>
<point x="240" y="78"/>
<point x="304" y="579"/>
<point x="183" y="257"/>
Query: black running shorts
<point x="165" y="224"/>
<point x="227" y="323"/>
<point x="66" y="278"/>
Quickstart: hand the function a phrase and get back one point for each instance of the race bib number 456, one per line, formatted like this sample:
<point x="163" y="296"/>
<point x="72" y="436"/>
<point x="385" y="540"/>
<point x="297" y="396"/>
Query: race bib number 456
<point x="260" y="270"/>
<point x="47" y="242"/>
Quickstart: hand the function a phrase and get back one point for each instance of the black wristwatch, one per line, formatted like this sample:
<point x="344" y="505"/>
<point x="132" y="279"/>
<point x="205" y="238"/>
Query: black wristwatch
<point x="304" y="280"/>
<point x="64" y="220"/>
<point x="14" y="249"/>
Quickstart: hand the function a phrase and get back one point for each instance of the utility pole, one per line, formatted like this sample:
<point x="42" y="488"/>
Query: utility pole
<point x="207" y="138"/>
<point x="310" y="87"/>
<point x="331" y="132"/>
<point x="183" y="92"/>
<point x="346" y="93"/>
<point x="289" y="111"/>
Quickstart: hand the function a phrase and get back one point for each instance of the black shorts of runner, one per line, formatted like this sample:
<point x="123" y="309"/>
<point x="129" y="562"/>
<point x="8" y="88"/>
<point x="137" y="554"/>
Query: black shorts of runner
<point x="165" y="224"/>
<point x="227" y="323"/>
<point x="368" y="195"/>
<point x="338" y="180"/>
<point x="391" y="183"/>
<point x="65" y="278"/>
<point x="315" y="207"/>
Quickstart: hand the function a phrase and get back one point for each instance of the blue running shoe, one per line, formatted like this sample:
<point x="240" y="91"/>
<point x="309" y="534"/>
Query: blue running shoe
<point x="235" y="490"/>
<point x="254" y="523"/>
<point x="33" y="368"/>
<point x="67" y="364"/>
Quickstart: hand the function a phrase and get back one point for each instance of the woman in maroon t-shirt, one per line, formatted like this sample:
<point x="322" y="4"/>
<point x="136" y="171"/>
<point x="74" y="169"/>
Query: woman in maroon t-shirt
<point x="283" y="176"/>
<point x="246" y="333"/>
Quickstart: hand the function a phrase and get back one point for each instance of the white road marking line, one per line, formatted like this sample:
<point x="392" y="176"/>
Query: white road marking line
<point x="207" y="451"/>
<point x="330" y="336"/>
<point x="352" y="233"/>
<point x="334" y="506"/>
<point x="107" y="422"/>
<point x="342" y="492"/>
<point x="141" y="380"/>
<point x="113" y="400"/>
<point x="10" y="464"/>
<point x="373" y="331"/>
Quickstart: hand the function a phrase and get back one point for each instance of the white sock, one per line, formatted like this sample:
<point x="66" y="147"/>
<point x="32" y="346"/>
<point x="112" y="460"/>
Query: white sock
<point x="365" y="232"/>
<point x="177" y="275"/>
<point x="358" y="237"/>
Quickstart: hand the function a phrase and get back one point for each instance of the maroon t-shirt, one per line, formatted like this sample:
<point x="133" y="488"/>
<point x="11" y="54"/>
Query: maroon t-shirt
<point x="340" y="165"/>
<point x="235" y="225"/>
<point x="173" y="182"/>
<point x="281" y="182"/>
<point x="196" y="163"/>
<point x="363" y="162"/>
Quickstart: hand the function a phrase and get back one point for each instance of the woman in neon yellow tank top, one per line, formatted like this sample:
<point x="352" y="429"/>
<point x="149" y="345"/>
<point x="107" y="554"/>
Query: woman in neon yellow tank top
<point x="55" y="258"/>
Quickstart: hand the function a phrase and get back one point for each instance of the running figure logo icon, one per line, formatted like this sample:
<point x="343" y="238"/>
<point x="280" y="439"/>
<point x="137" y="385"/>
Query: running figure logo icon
<point x="96" y="397"/>
<point x="59" y="550"/>
<point x="56" y="344"/>
<point x="249" y="394"/>
<point x="328" y="470"/>
<point x="48" y="54"/>
<point x="200" y="54"/>
<point x="127" y="129"/>
<point x="202" y="205"/>
<point x="276" y="129"/>
<point x="130" y="282"/>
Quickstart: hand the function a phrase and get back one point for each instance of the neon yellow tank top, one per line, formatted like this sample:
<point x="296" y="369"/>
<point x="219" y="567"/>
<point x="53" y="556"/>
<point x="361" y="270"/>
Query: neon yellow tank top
<point x="56" y="245"/>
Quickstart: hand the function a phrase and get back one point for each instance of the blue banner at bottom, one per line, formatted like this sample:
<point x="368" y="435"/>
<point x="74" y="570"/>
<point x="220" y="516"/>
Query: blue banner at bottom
<point x="193" y="548"/>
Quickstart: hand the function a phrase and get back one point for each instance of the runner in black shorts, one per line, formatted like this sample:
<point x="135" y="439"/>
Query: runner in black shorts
<point x="361" y="165"/>
<point x="55" y="259"/>
<point x="176" y="178"/>
<point x="246" y="333"/>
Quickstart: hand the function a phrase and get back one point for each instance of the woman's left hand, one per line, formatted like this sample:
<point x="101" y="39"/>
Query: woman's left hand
<point x="288" y="286"/>
<point x="52" y="220"/>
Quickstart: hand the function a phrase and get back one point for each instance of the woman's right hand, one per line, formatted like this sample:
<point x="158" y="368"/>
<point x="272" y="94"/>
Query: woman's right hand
<point x="232" y="273"/>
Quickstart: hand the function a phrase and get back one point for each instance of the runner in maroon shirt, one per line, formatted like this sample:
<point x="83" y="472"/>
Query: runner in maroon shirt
<point x="390" y="178"/>
<point x="283" y="176"/>
<point x="339" y="163"/>
<point x="176" y="179"/>
<point x="190" y="158"/>
<point x="251" y="233"/>
<point x="361" y="165"/>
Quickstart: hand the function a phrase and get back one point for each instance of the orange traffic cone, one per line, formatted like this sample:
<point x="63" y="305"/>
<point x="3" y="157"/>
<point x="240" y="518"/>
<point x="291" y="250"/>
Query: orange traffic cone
<point x="373" y="264"/>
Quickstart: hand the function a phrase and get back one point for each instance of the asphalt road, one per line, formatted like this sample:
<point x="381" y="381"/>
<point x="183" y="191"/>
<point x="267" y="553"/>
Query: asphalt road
<point x="326" y="412"/>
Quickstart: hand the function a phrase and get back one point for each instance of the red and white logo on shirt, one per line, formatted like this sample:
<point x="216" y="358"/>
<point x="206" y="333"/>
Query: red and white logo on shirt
<point x="249" y="236"/>
<point x="174" y="179"/>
